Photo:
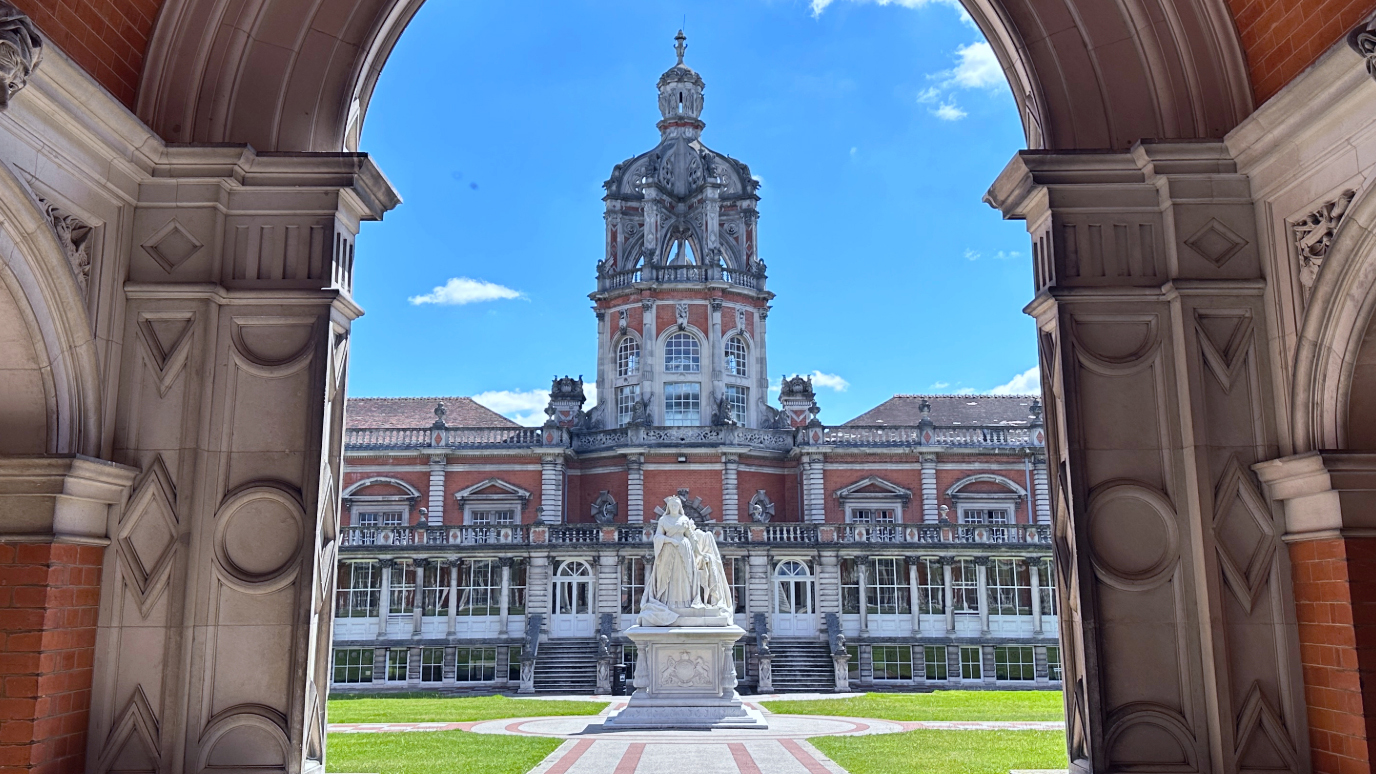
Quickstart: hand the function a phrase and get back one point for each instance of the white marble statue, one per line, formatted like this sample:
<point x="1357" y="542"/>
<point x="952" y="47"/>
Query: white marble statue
<point x="688" y="580"/>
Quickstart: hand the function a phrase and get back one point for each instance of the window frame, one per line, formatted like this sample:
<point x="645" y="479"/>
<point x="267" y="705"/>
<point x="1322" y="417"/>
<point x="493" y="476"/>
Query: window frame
<point x="1026" y="664"/>
<point x="671" y="417"/>
<point x="627" y="364"/>
<point x="363" y="669"/>
<point x="740" y="409"/>
<point x="398" y="662"/>
<point x="347" y="597"/>
<point x="463" y="660"/>
<point x="689" y="362"/>
<point x="893" y="663"/>
<point x="971" y="670"/>
<point x="965" y="587"/>
<point x="933" y="666"/>
<point x="925" y="591"/>
<point x="431" y="670"/>
<point x="627" y="396"/>
<point x="742" y="357"/>
<point x="1005" y="597"/>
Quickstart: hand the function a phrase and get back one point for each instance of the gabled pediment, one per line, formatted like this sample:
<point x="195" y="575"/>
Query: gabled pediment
<point x="492" y="489"/>
<point x="986" y="485"/>
<point x="874" y="487"/>
<point x="381" y="486"/>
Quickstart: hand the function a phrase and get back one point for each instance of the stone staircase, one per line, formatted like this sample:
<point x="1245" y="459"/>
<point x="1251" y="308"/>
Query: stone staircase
<point x="566" y="666"/>
<point x="801" y="666"/>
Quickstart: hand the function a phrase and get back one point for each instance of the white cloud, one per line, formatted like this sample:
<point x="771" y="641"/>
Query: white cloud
<point x="1029" y="381"/>
<point x="939" y="385"/>
<point x="947" y="111"/>
<point x="819" y="379"/>
<point x="978" y="68"/>
<point x="1002" y="256"/>
<point x="821" y="5"/>
<point x="527" y="407"/>
<point x="971" y="254"/>
<point x="853" y="151"/>
<point x="929" y="94"/>
<point x="462" y="290"/>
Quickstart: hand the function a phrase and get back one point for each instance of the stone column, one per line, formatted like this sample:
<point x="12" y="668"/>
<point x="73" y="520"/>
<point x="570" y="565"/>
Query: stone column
<point x="435" y="502"/>
<point x="552" y="487"/>
<point x="714" y="343"/>
<point x="761" y="372"/>
<point x="504" y="605"/>
<point x="384" y="610"/>
<point x="635" y="488"/>
<point x="862" y="574"/>
<point x="982" y="577"/>
<point x="950" y="595"/>
<point x="537" y="587"/>
<point x="760" y="588"/>
<point x="1034" y="572"/>
<point x="607" y="590"/>
<point x="1154" y="331"/>
<point x="418" y="601"/>
<point x="912" y="594"/>
<point x="649" y="361"/>
<point x="455" y="565"/>
<point x="1040" y="490"/>
<point x="730" y="495"/>
<point x="814" y="489"/>
<point x="929" y="495"/>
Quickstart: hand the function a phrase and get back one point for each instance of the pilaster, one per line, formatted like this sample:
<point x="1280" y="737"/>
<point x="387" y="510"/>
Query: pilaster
<point x="552" y="487"/>
<point x="730" y="495"/>
<point x="1153" y="334"/>
<point x="814" y="489"/>
<point x="635" y="488"/>
<point x="435" y="501"/>
<point x="929" y="496"/>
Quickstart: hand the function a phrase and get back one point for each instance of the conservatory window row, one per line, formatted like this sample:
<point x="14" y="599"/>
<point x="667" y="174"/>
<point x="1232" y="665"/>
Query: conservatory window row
<point x="901" y="663"/>
<point x="888" y="589"/>
<point x="362" y="586"/>
<point x="427" y="665"/>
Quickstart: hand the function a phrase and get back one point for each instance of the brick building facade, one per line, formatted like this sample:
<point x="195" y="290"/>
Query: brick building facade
<point x="908" y="548"/>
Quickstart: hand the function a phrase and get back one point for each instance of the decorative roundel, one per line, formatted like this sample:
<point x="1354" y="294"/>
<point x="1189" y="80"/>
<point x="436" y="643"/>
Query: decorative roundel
<point x="259" y="534"/>
<point x="731" y="229"/>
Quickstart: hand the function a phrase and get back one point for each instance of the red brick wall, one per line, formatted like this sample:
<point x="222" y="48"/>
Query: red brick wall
<point x="585" y="488"/>
<point x="1335" y="606"/>
<point x="1283" y="37"/>
<point x="49" y="600"/>
<point x="108" y="39"/>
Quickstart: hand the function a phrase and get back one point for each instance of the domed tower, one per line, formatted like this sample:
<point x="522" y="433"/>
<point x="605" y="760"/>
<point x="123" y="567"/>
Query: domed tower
<point x="681" y="299"/>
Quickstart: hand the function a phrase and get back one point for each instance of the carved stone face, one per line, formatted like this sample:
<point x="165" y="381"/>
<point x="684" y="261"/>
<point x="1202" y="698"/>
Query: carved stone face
<point x="14" y="73"/>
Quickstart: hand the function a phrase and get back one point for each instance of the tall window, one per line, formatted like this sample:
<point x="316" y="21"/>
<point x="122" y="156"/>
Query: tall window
<point x="738" y="573"/>
<point x="1014" y="663"/>
<point x="1010" y="587"/>
<point x="632" y="584"/>
<point x="503" y="516"/>
<point x="516" y="591"/>
<point x="474" y="665"/>
<point x="971" y="662"/>
<point x="513" y="664"/>
<point x="431" y="665"/>
<point x="354" y="665"/>
<point x="735" y="356"/>
<point x="403" y="587"/>
<point x="850" y="587"/>
<point x="996" y="516"/>
<point x="682" y="404"/>
<point x="934" y="657"/>
<point x="886" y="590"/>
<point x="396" y="665"/>
<point x="892" y="662"/>
<point x="682" y="355"/>
<point x="931" y="587"/>
<point x="1048" y="587"/>
<point x="964" y="586"/>
<point x="1053" y="662"/>
<point x="737" y="398"/>
<point x="435" y="589"/>
<point x="358" y="590"/>
<point x="628" y="357"/>
<point x="882" y="518"/>
<point x="626" y="398"/>
<point x="480" y="587"/>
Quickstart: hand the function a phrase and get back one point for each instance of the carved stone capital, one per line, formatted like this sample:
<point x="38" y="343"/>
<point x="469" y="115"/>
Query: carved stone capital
<point x="386" y="563"/>
<point x="648" y="306"/>
<point x="504" y="561"/>
<point x="715" y="304"/>
<point x="982" y="561"/>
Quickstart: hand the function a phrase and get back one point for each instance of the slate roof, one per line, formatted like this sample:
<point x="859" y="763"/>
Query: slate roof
<point x="952" y="410"/>
<point x="420" y="412"/>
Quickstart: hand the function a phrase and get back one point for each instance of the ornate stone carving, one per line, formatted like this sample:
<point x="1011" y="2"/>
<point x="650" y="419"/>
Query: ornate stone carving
<point x="21" y="50"/>
<point x="740" y="318"/>
<point x="681" y="315"/>
<point x="1363" y="41"/>
<point x="621" y="320"/>
<point x="761" y="509"/>
<point x="715" y="304"/>
<point x="647" y="306"/>
<point x="722" y="415"/>
<point x="688" y="580"/>
<point x="72" y="233"/>
<point x="1314" y="233"/>
<point x="684" y="671"/>
<point x="604" y="508"/>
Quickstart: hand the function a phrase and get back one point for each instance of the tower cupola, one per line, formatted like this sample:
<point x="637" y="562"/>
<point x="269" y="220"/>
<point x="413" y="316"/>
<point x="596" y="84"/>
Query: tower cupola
<point x="680" y="97"/>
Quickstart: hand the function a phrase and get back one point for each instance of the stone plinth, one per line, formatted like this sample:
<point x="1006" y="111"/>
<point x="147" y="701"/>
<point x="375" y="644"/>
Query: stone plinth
<point x="685" y="677"/>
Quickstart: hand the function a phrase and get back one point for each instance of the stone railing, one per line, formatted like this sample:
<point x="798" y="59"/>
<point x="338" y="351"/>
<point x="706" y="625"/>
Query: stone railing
<point x="877" y="435"/>
<point x="368" y="438"/>
<point x="673" y="274"/>
<point x="374" y="538"/>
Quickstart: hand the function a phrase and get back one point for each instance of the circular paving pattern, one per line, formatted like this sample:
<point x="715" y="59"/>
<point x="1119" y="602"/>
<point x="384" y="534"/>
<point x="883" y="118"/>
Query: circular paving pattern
<point x="780" y="727"/>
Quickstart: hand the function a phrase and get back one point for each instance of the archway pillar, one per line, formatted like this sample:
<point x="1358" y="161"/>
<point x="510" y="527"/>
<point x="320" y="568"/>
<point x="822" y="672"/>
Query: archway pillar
<point x="1177" y="613"/>
<point x="214" y="648"/>
<point x="1329" y="503"/>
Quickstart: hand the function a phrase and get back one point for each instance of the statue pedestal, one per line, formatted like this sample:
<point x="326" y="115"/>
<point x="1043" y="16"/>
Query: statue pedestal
<point x="685" y="677"/>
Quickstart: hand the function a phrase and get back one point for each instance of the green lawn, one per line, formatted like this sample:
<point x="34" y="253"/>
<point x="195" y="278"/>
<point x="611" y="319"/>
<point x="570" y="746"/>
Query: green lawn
<point x="946" y="752"/>
<point x="437" y="752"/>
<point x="430" y="708"/>
<point x="938" y="705"/>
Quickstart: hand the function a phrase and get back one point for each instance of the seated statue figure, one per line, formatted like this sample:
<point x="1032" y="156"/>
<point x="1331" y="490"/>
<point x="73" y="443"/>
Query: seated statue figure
<point x="688" y="579"/>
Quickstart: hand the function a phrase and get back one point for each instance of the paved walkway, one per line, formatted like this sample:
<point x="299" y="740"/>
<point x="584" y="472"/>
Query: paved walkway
<point x="780" y="749"/>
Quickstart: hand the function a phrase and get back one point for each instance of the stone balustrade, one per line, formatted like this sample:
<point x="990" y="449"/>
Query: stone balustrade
<point x="365" y="538"/>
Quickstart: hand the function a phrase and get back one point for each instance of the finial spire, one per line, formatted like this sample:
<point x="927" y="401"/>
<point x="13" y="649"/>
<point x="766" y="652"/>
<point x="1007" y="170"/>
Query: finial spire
<point x="679" y="45"/>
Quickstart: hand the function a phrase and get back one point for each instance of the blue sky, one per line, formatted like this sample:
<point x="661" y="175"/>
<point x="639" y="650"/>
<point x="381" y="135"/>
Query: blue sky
<point x="875" y="128"/>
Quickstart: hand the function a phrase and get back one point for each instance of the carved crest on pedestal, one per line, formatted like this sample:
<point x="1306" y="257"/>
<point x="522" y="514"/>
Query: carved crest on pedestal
<point x="686" y="671"/>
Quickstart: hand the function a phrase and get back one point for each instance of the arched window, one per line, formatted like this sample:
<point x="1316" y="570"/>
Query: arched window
<point x="682" y="354"/>
<point x="628" y="357"/>
<point x="735" y="356"/>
